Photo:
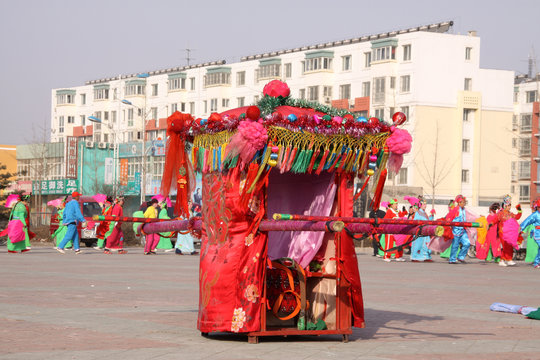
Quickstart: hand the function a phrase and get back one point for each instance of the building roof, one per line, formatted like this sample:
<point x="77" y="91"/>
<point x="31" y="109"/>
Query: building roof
<point x="441" y="27"/>
<point x="438" y="27"/>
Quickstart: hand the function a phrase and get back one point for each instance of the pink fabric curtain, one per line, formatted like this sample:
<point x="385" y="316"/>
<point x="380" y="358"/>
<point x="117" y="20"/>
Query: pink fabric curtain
<point x="298" y="194"/>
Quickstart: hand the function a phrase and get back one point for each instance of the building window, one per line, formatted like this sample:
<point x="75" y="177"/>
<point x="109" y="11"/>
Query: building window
<point x="61" y="124"/>
<point x="217" y="78"/>
<point x="240" y="78"/>
<point x="524" y="193"/>
<point x="174" y="108"/>
<point x="345" y="91"/>
<point x="192" y="83"/>
<point x="327" y="91"/>
<point x="514" y="143"/>
<point x="465" y="145"/>
<point x="105" y="137"/>
<point x="268" y="71"/>
<point x="97" y="138"/>
<point x="315" y="64"/>
<point x="288" y="70"/>
<point x="240" y="101"/>
<point x="302" y="93"/>
<point x="256" y="99"/>
<point x="468" y="84"/>
<point x="468" y="53"/>
<point x="378" y="89"/>
<point x="525" y="124"/>
<point x="405" y="110"/>
<point x="524" y="170"/>
<point x="105" y="116"/>
<point x="225" y="103"/>
<point x="465" y="176"/>
<point x="367" y="59"/>
<point x="346" y="63"/>
<point x="205" y="105"/>
<point x="405" y="83"/>
<point x="153" y="113"/>
<point x="113" y="117"/>
<point x="192" y="107"/>
<point x="407" y="52"/>
<point x="177" y="84"/>
<point x="515" y="125"/>
<point x="402" y="176"/>
<point x="130" y="117"/>
<point x="83" y="120"/>
<point x="213" y="104"/>
<point x="313" y="93"/>
<point x="71" y="119"/>
<point x="392" y="82"/>
<point x="83" y="99"/>
<point x="101" y="94"/>
<point x="513" y="172"/>
<point x="366" y="88"/>
<point x="525" y="147"/>
<point x="155" y="90"/>
<point x="516" y="95"/>
<point x="384" y="53"/>
<point x="65" y="99"/>
<point x="379" y="113"/>
<point x="530" y="96"/>
<point x="183" y="107"/>
<point x="468" y="114"/>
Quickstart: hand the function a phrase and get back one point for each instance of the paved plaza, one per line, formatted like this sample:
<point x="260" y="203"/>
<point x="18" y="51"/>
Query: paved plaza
<point x="96" y="306"/>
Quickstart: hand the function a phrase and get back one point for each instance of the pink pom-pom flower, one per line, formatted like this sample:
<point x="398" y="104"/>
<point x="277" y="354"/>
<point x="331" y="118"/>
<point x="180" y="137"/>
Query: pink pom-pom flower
<point x="250" y="138"/>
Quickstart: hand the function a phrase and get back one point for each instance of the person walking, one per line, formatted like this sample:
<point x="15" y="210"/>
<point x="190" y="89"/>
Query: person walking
<point x="103" y="227"/>
<point x="165" y="242"/>
<point x="461" y="237"/>
<point x="534" y="219"/>
<point x="375" y="238"/>
<point x="389" y="240"/>
<point x="419" y="247"/>
<point x="18" y="230"/>
<point x="506" y="225"/>
<point x="59" y="234"/>
<point x="115" y="238"/>
<point x="72" y="216"/>
<point x="491" y="248"/>
<point x="151" y="239"/>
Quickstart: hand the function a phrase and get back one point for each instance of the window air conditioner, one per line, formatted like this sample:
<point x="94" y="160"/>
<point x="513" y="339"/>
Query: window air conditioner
<point x="111" y="146"/>
<point x="327" y="100"/>
<point x="89" y="144"/>
<point x="102" y="145"/>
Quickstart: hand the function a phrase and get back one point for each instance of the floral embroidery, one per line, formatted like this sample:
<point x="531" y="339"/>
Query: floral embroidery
<point x="252" y="293"/>
<point x="245" y="269"/>
<point x="249" y="239"/>
<point x="256" y="257"/>
<point x="239" y="316"/>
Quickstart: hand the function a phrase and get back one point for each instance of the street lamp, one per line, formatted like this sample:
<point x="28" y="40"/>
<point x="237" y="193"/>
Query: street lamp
<point x="115" y="150"/>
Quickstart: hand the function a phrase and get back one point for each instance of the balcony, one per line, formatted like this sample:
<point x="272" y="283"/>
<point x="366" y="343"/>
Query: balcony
<point x="524" y="152"/>
<point x="524" y="198"/>
<point x="525" y="128"/>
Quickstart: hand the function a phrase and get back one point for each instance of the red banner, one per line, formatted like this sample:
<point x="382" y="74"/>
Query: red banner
<point x="123" y="172"/>
<point x="71" y="157"/>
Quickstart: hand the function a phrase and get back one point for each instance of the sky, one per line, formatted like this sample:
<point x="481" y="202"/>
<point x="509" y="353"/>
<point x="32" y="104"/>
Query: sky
<point x="48" y="44"/>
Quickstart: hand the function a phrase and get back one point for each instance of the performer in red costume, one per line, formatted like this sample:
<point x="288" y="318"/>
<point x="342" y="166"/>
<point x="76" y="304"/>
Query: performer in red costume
<point x="505" y="218"/>
<point x="389" y="240"/>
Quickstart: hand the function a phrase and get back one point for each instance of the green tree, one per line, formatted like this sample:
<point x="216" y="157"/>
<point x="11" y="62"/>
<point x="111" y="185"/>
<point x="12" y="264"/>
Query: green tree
<point x="5" y="180"/>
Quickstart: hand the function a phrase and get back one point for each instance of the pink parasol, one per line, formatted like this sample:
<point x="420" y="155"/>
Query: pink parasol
<point x="12" y="200"/>
<point x="100" y="198"/>
<point x="55" y="202"/>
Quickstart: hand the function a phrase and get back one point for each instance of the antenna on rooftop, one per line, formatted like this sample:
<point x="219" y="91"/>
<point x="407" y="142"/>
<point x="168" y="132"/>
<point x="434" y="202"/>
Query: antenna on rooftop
<point x="188" y="55"/>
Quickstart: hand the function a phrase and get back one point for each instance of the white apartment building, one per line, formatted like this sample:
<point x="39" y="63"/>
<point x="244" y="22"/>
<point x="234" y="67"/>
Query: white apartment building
<point x="457" y="112"/>
<point x="526" y="131"/>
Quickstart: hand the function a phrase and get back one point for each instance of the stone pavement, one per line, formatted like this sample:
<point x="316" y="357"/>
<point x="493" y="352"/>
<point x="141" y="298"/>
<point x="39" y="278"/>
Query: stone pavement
<point x="96" y="306"/>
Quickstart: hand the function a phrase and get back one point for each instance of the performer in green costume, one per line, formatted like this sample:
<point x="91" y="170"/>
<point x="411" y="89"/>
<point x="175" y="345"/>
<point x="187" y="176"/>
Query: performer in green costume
<point x="164" y="238"/>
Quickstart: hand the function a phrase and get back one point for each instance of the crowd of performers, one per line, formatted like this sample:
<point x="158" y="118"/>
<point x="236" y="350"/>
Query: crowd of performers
<point x="495" y="241"/>
<point x="110" y="237"/>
